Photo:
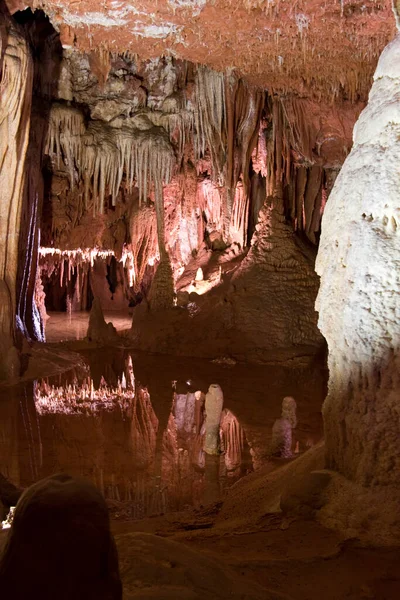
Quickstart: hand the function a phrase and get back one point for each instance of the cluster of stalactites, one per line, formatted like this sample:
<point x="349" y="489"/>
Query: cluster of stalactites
<point x="64" y="139"/>
<point x="302" y="185"/>
<point x="227" y="117"/>
<point x="71" y="260"/>
<point x="101" y="155"/>
<point x="179" y="126"/>
<point x="210" y="118"/>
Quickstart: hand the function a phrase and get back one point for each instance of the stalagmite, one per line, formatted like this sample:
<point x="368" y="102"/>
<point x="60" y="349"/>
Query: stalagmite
<point x="162" y="288"/>
<point x="275" y="268"/>
<point x="358" y="302"/>
<point x="199" y="274"/>
<point x="213" y="409"/>
<point x="98" y="330"/>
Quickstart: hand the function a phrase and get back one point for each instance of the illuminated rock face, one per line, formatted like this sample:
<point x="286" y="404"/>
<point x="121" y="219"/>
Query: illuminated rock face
<point x="358" y="301"/>
<point x="15" y="104"/>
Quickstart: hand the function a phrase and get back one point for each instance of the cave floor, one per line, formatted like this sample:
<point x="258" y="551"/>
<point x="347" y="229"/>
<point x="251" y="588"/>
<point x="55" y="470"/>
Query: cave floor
<point x="291" y="559"/>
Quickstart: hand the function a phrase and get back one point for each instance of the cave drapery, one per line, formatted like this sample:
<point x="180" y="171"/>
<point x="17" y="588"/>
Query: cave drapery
<point x="16" y="72"/>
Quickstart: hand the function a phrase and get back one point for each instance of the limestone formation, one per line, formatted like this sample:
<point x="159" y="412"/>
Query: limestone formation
<point x="358" y="302"/>
<point x="16" y="73"/>
<point x="60" y="544"/>
<point x="289" y="407"/>
<point x="279" y="267"/>
<point x="99" y="331"/>
<point x="281" y="442"/>
<point x="162" y="288"/>
<point x="213" y="410"/>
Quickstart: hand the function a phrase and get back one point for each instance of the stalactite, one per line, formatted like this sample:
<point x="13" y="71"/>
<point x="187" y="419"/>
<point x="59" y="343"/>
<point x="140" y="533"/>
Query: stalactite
<point x="102" y="154"/>
<point x="179" y="126"/>
<point x="66" y="128"/>
<point x="144" y="242"/>
<point x="240" y="217"/>
<point x="312" y="202"/>
<point x="302" y="180"/>
<point x="210" y="118"/>
<point x="159" y="203"/>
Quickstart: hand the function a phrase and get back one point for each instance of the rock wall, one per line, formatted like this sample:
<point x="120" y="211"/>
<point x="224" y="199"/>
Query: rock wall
<point x="358" y="301"/>
<point x="16" y="75"/>
<point x="46" y="54"/>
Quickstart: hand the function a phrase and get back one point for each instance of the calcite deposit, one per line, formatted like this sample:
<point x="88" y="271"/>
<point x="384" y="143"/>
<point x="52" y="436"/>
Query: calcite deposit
<point x="358" y="300"/>
<point x="16" y="72"/>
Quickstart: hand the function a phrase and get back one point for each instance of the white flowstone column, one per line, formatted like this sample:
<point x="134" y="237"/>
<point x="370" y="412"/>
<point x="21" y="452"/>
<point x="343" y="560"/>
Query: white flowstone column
<point x="359" y="297"/>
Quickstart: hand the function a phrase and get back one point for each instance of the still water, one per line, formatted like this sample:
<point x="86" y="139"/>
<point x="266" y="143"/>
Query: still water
<point x="132" y="424"/>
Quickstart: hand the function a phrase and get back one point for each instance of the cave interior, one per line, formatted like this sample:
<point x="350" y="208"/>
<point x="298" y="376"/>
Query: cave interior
<point x="199" y="286"/>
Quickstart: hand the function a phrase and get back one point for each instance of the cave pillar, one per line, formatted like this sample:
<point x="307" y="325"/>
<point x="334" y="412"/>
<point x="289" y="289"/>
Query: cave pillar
<point x="359" y="298"/>
<point x="16" y="74"/>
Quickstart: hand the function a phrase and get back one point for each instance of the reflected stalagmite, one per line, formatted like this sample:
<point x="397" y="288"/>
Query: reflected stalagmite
<point x="281" y="443"/>
<point x="289" y="407"/>
<point x="232" y="440"/>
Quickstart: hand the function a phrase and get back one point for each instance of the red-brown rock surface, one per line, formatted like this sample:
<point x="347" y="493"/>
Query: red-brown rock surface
<point x="327" y="48"/>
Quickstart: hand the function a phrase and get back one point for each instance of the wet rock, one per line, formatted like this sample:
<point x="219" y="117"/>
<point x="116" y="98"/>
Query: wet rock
<point x="107" y="110"/>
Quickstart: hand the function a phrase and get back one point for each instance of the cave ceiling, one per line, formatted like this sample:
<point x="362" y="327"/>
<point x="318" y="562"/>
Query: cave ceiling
<point x="308" y="47"/>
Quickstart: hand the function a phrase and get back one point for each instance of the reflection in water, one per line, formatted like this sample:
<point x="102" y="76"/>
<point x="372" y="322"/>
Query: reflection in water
<point x="135" y="426"/>
<point x="109" y="432"/>
<point x="79" y="397"/>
